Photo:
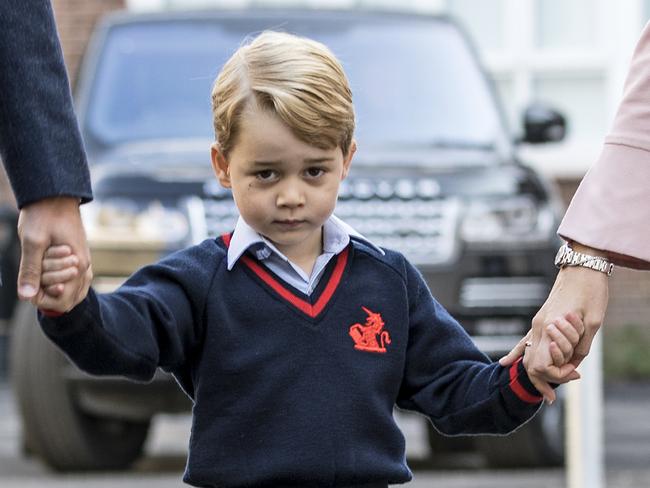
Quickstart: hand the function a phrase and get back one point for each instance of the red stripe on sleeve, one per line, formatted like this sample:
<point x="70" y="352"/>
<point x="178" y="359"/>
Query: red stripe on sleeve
<point x="50" y="313"/>
<point x="518" y="389"/>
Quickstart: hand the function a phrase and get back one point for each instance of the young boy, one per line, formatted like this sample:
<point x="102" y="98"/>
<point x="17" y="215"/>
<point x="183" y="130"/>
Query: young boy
<point x="294" y="336"/>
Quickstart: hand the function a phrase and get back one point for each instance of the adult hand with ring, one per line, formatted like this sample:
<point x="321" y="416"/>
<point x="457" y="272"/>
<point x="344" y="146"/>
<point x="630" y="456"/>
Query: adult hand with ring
<point x="553" y="350"/>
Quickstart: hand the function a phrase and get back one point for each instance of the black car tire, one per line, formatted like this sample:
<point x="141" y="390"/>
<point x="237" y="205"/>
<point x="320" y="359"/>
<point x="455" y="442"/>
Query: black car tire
<point x="54" y="427"/>
<point x="537" y="444"/>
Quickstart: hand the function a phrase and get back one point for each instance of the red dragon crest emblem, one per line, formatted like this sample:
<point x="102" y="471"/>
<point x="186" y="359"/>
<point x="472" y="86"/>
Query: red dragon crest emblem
<point x="370" y="337"/>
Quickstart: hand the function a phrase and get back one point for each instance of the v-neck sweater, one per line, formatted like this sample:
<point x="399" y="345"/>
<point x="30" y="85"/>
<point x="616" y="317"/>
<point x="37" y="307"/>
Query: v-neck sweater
<point x="335" y="238"/>
<point x="291" y="389"/>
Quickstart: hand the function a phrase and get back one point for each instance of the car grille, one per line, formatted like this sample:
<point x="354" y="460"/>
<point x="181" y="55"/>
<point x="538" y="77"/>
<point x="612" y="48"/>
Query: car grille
<point x="414" y="222"/>
<point x="526" y="291"/>
<point x="422" y="230"/>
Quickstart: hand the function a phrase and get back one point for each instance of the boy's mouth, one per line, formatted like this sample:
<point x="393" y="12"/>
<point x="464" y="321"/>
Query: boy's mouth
<point x="289" y="223"/>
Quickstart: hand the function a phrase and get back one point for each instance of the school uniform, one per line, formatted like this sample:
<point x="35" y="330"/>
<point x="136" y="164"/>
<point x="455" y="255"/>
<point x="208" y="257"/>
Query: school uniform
<point x="293" y="388"/>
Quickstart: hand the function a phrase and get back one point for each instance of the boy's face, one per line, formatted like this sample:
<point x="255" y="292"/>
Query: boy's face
<point x="284" y="188"/>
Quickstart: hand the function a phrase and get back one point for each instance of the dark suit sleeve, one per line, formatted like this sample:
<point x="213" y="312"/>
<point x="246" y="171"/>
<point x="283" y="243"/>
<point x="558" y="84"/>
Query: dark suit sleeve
<point x="40" y="143"/>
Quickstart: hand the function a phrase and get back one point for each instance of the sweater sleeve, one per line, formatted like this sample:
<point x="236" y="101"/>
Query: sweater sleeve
<point x="40" y="142"/>
<point x="453" y="383"/>
<point x="153" y="320"/>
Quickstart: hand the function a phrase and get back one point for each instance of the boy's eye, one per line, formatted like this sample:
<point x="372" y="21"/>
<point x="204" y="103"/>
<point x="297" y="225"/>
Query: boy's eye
<point x="315" y="172"/>
<point x="265" y="175"/>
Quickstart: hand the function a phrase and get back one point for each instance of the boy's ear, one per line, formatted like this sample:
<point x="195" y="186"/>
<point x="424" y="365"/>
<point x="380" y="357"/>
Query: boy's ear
<point x="347" y="159"/>
<point x="220" y="165"/>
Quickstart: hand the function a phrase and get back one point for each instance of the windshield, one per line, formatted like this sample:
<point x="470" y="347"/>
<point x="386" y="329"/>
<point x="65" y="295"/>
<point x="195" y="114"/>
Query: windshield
<point x="414" y="84"/>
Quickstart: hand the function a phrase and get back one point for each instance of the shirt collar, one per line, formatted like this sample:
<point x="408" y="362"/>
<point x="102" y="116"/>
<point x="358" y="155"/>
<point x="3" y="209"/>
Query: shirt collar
<point x="336" y="237"/>
<point x="351" y="232"/>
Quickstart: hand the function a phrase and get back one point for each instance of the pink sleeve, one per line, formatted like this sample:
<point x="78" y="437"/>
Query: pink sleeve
<point x="611" y="208"/>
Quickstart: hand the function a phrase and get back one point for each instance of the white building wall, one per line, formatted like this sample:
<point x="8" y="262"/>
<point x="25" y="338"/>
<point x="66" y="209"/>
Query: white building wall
<point x="570" y="54"/>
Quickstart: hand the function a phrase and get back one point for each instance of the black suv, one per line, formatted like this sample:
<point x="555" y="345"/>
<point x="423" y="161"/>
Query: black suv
<point x="436" y="176"/>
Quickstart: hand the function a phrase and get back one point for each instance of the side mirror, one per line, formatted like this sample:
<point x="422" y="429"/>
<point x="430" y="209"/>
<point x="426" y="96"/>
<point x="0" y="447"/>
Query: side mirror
<point x="543" y="124"/>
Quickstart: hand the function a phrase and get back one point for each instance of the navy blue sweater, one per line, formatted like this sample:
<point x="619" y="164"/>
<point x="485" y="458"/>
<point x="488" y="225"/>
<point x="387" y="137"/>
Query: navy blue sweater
<point x="290" y="389"/>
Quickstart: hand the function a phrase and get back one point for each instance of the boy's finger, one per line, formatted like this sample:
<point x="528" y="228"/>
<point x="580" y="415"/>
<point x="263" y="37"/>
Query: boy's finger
<point x="49" y="303"/>
<point x="561" y="341"/>
<point x="60" y="251"/>
<point x="568" y="330"/>
<point x="55" y="277"/>
<point x="556" y="354"/>
<point x="556" y="374"/>
<point x="56" y="264"/>
<point x="574" y="375"/>
<point x="576" y="321"/>
<point x="566" y="373"/>
<point x="54" y="291"/>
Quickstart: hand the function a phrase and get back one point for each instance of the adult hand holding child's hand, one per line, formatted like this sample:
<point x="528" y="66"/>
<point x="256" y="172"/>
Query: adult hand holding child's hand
<point x="42" y="224"/>
<point x="548" y="352"/>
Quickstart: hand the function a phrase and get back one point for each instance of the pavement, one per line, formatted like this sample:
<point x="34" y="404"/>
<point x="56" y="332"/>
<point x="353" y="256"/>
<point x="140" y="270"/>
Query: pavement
<point x="627" y="452"/>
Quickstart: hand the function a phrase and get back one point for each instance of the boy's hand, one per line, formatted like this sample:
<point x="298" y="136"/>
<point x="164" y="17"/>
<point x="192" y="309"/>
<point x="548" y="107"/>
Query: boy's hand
<point x="47" y="222"/>
<point x="559" y="340"/>
<point x="59" y="266"/>
<point x="565" y="334"/>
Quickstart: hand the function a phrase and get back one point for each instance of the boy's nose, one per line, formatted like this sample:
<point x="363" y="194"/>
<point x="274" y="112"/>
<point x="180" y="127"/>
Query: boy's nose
<point x="290" y="196"/>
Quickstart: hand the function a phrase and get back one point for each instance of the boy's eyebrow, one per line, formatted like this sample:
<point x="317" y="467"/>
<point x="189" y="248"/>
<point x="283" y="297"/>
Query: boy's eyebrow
<point x="263" y="162"/>
<point x="318" y="160"/>
<point x="266" y="163"/>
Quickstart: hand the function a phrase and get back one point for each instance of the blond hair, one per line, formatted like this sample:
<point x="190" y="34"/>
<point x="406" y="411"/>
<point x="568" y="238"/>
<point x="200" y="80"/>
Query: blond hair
<point x="296" y="78"/>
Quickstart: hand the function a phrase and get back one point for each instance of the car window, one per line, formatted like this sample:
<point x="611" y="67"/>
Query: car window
<point x="414" y="84"/>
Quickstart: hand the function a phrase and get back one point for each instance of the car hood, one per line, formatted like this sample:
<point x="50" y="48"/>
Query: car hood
<point x="181" y="168"/>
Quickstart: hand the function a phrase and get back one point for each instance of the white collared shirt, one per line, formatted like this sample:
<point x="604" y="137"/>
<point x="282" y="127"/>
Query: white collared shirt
<point x="336" y="237"/>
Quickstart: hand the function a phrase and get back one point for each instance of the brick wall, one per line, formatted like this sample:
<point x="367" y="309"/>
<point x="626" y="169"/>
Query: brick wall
<point x="629" y="291"/>
<point x="75" y="21"/>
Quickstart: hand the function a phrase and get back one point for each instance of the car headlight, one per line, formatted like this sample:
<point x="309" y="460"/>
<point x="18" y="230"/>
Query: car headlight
<point x="512" y="220"/>
<point x="121" y="222"/>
